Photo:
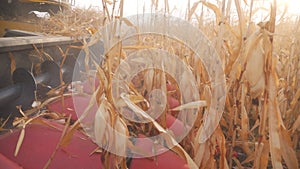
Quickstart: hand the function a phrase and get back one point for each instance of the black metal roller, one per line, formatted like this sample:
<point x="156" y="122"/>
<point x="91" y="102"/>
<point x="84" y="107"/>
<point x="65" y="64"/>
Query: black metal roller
<point x="7" y="94"/>
<point x="21" y="93"/>
<point x="21" y="75"/>
<point x="26" y="97"/>
<point x="50" y="73"/>
<point x="49" y="76"/>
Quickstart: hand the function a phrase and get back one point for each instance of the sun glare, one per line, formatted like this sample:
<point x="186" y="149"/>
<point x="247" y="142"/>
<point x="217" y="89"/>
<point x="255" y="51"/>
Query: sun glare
<point x="178" y="8"/>
<point x="293" y="6"/>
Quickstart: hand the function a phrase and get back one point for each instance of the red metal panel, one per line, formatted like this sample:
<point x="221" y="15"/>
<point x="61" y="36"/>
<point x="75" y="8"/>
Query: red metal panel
<point x="40" y="142"/>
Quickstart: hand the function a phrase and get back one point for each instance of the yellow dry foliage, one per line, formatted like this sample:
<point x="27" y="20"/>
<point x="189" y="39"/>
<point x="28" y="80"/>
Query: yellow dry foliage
<point x="261" y="61"/>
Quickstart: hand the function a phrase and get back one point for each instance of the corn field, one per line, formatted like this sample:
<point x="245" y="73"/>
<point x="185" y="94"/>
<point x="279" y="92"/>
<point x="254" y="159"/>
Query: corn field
<point x="260" y="124"/>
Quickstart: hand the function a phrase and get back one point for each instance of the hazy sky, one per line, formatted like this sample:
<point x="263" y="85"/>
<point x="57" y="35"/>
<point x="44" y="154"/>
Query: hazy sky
<point x="132" y="7"/>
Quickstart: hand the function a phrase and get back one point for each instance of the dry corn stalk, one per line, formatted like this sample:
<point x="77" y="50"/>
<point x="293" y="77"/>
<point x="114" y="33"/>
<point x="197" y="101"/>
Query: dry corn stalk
<point x="262" y="106"/>
<point x="73" y="22"/>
